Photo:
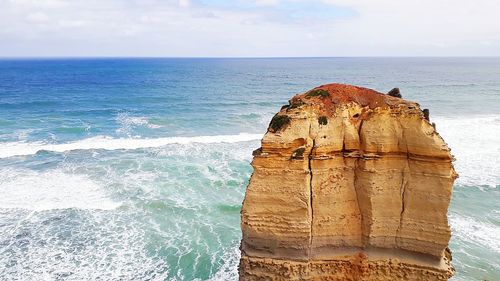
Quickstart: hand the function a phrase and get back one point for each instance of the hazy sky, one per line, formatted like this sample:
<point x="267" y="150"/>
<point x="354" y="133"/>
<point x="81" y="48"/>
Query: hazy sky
<point x="249" y="28"/>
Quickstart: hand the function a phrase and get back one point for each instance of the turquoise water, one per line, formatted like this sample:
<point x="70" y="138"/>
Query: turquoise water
<point x="135" y="169"/>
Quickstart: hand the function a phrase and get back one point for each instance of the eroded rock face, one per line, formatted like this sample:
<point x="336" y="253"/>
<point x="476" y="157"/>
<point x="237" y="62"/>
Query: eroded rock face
<point x="349" y="184"/>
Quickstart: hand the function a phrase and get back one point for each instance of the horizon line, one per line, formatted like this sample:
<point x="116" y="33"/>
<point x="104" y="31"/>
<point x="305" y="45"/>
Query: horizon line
<point x="228" y="57"/>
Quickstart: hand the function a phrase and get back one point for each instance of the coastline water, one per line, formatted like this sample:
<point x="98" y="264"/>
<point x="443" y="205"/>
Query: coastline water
<point x="135" y="169"/>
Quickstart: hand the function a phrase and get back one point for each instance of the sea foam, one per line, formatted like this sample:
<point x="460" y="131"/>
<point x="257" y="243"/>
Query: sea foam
<point x="48" y="190"/>
<point x="475" y="142"/>
<point x="109" y="143"/>
<point x="128" y="122"/>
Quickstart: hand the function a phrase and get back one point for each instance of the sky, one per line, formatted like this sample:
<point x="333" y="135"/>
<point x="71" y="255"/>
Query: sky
<point x="249" y="28"/>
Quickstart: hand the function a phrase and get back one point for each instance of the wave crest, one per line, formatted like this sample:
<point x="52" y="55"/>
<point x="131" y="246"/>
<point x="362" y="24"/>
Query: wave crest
<point x="109" y="143"/>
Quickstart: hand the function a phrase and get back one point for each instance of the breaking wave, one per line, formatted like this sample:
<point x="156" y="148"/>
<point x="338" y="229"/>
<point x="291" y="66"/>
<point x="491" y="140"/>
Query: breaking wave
<point x="475" y="142"/>
<point x="127" y="123"/>
<point x="109" y="143"/>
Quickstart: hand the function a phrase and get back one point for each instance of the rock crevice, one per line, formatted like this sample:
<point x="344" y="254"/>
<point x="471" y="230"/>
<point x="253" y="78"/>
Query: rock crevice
<point x="311" y="194"/>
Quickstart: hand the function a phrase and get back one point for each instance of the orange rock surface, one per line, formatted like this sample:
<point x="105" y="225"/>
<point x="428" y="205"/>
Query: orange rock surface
<point x="349" y="184"/>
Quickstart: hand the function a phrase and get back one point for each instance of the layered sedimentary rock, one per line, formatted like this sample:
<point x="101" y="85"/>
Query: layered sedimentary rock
<point x="349" y="184"/>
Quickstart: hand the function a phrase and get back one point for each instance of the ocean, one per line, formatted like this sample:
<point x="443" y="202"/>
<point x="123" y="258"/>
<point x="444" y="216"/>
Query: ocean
<point x="135" y="169"/>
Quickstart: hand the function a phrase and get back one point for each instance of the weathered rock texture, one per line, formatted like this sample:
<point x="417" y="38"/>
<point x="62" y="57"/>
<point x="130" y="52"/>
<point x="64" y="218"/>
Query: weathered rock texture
<point x="349" y="184"/>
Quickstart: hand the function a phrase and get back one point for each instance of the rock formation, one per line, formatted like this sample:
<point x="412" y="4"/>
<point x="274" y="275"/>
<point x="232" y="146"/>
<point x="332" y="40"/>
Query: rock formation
<point x="349" y="184"/>
<point x="395" y="93"/>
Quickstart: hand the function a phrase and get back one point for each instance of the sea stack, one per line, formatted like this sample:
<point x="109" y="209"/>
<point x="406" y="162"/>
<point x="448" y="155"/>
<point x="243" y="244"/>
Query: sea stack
<point x="349" y="184"/>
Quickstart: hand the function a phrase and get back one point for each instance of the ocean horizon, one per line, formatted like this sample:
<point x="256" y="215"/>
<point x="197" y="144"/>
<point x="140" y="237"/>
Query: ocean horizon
<point x="135" y="168"/>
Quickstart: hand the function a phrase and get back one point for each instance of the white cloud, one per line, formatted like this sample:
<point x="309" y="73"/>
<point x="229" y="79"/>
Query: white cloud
<point x="186" y="28"/>
<point x="37" y="17"/>
<point x="184" y="3"/>
<point x="453" y="27"/>
<point x="266" y="2"/>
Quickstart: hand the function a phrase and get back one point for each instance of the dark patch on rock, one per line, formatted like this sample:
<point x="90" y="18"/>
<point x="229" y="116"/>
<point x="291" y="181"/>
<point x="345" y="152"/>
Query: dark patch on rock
<point x="298" y="153"/>
<point x="296" y="104"/>
<point x="257" y="152"/>
<point x="426" y="114"/>
<point x="395" y="93"/>
<point x="285" y="106"/>
<point x="278" y="122"/>
<point x="318" y="93"/>
<point x="447" y="254"/>
<point x="323" y="120"/>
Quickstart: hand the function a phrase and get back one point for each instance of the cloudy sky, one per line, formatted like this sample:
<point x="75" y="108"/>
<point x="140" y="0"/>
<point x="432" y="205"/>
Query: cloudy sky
<point x="249" y="28"/>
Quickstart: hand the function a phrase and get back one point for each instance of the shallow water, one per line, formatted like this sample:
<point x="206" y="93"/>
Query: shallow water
<point x="135" y="169"/>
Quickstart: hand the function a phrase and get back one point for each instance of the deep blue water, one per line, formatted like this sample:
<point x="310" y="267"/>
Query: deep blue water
<point x="135" y="169"/>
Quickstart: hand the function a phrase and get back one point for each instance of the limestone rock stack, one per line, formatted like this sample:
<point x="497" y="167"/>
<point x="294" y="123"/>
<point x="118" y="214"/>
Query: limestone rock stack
<point x="349" y="184"/>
